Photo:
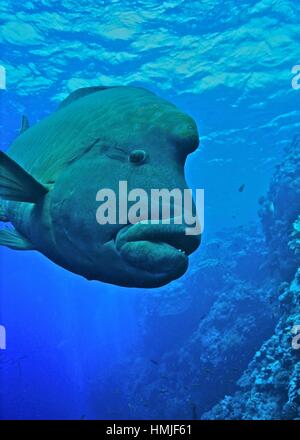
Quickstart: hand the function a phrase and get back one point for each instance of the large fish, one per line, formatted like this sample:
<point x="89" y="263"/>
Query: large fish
<point x="98" y="137"/>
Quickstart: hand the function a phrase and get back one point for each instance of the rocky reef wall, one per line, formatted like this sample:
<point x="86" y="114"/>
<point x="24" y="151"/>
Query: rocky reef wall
<point x="270" y="386"/>
<point x="227" y="325"/>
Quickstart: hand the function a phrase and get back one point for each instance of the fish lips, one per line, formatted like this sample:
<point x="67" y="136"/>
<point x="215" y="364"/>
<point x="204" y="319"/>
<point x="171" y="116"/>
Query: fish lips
<point x="159" y="248"/>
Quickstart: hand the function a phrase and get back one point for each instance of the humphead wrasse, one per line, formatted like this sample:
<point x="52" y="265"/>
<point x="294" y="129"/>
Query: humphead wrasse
<point x="98" y="137"/>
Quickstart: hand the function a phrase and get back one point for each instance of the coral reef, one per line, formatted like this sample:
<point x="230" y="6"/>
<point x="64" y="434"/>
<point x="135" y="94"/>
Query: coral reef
<point x="219" y="316"/>
<point x="215" y="318"/>
<point x="270" y="386"/>
<point x="279" y="211"/>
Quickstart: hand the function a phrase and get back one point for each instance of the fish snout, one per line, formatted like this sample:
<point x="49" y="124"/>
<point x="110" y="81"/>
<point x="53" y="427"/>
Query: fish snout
<point x="160" y="232"/>
<point x="156" y="247"/>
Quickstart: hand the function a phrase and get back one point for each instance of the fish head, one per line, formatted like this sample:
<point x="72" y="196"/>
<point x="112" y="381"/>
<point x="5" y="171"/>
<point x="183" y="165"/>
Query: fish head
<point x="101" y="230"/>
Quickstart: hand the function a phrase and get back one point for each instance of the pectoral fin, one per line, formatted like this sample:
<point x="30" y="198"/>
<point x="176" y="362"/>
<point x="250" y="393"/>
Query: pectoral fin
<point x="3" y="216"/>
<point x="14" y="240"/>
<point x="16" y="184"/>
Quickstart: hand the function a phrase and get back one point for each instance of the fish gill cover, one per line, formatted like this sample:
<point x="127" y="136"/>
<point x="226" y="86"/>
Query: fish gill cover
<point x="221" y="342"/>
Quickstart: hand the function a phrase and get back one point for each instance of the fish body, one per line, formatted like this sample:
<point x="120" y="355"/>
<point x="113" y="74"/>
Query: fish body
<point x="52" y="172"/>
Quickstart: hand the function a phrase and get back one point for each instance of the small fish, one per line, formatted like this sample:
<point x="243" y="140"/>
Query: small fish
<point x="242" y="187"/>
<point x="154" y="362"/>
<point x="271" y="207"/>
<point x="163" y="391"/>
<point x="202" y="317"/>
<point x="194" y="412"/>
<point x="296" y="141"/>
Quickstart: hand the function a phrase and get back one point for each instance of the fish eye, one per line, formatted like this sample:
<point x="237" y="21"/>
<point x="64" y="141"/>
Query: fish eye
<point x="137" y="156"/>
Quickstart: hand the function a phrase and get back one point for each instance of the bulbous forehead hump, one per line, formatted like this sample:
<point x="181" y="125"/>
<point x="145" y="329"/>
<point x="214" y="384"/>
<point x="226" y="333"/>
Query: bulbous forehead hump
<point x="131" y="116"/>
<point x="145" y="111"/>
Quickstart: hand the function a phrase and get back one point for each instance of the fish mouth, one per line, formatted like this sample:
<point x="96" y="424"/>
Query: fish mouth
<point x="158" y="248"/>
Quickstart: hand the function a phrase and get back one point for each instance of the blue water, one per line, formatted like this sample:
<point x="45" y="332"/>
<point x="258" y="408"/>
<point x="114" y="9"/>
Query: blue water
<point x="83" y="350"/>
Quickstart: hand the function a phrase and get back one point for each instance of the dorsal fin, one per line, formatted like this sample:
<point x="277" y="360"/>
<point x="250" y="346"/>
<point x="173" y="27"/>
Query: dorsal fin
<point x="24" y="124"/>
<point x="80" y="93"/>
